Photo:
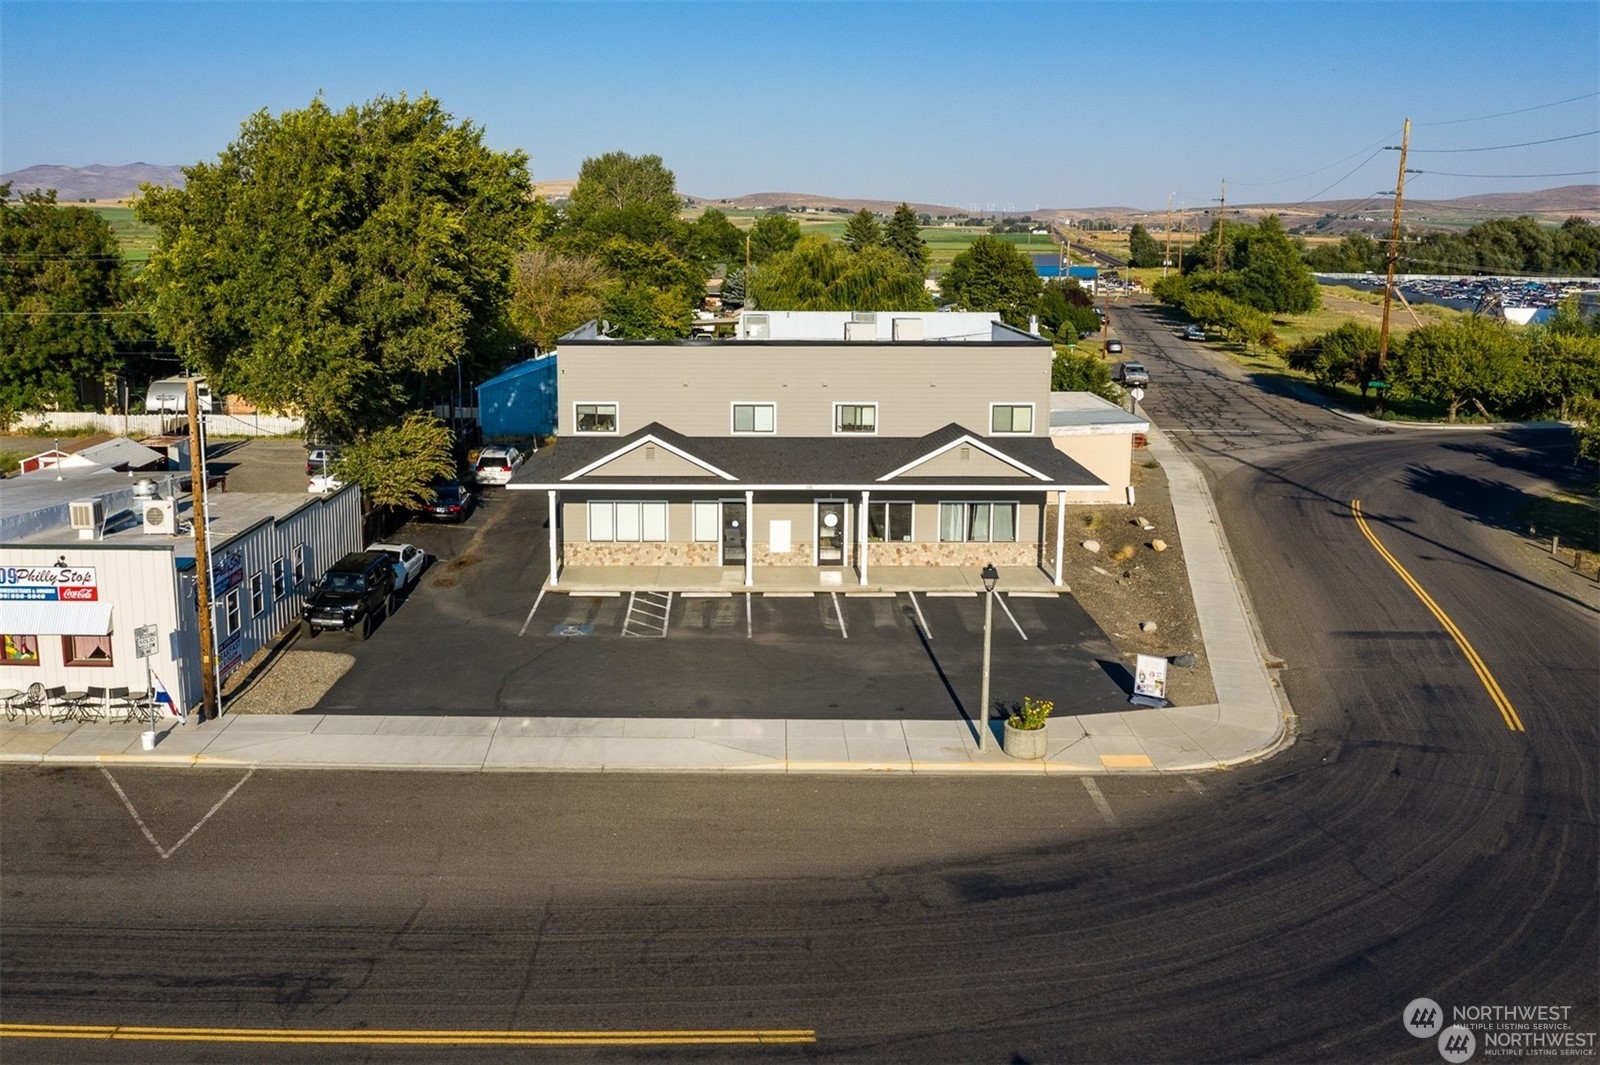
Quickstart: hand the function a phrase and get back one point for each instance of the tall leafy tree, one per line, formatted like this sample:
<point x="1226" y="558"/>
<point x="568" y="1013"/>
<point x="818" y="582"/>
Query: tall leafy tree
<point x="65" y="302"/>
<point x="1143" y="249"/>
<point x="1272" y="275"/>
<point x="553" y="294"/>
<point x="395" y="465"/>
<point x="903" y="236"/>
<point x="332" y="261"/>
<point x="863" y="231"/>
<point x="771" y="234"/>
<point x="823" y="275"/>
<point x="1470" y="361"/>
<point x="618" y="194"/>
<point x="993" y="275"/>
<point x="713" y="239"/>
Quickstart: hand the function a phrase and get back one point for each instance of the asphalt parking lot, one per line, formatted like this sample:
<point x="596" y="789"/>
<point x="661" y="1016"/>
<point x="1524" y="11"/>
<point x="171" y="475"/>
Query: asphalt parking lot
<point x="468" y="640"/>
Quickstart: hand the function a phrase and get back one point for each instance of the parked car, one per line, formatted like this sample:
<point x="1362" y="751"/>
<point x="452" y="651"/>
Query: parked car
<point x="1113" y="347"/>
<point x="1194" y="332"/>
<point x="495" y="465"/>
<point x="351" y="595"/>
<point x="323" y="482"/>
<point x="452" y="501"/>
<point x="320" y="459"/>
<point x="409" y="562"/>
<point x="1132" y="374"/>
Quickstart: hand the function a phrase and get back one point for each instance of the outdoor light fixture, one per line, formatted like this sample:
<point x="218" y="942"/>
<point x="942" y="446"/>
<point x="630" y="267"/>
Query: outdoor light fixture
<point x="991" y="577"/>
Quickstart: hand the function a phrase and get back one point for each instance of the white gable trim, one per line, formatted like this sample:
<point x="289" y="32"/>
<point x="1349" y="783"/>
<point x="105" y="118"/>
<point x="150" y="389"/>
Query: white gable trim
<point x="658" y="442"/>
<point x="967" y="440"/>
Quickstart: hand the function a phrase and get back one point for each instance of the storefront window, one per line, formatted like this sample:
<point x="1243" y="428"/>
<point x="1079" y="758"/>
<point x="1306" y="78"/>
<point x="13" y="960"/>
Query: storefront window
<point x="888" y="521"/>
<point x="19" y="650"/>
<point x="978" y="522"/>
<point x="258" y="594"/>
<point x="280" y="577"/>
<point x="86" y="650"/>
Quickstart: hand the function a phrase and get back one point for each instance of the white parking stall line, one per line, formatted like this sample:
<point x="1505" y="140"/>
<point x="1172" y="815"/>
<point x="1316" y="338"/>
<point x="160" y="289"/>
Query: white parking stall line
<point x="1195" y="786"/>
<point x="1012" y="616"/>
<point x="529" y="619"/>
<point x="838" y="612"/>
<point x="927" y="633"/>
<point x="647" y="611"/>
<point x="705" y="595"/>
<point x="1099" y="800"/>
<point x="749" y="626"/>
<point x="949" y="595"/>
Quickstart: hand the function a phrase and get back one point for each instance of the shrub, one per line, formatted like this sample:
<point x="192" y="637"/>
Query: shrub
<point x="1033" y="714"/>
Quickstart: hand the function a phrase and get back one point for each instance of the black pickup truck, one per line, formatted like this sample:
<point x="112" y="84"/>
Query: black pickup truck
<point x="357" y="590"/>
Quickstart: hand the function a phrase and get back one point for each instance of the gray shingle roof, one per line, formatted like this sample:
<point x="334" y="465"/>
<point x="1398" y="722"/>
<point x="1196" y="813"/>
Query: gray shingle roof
<point x="801" y="461"/>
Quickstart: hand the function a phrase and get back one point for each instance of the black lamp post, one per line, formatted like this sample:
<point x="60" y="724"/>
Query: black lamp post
<point x="991" y="577"/>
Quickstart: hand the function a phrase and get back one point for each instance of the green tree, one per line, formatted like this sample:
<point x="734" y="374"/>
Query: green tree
<point x="1072" y="372"/>
<point x="65" y="303"/>
<point x="1355" y="253"/>
<point x="1468" y="361"/>
<point x="1586" y="427"/>
<point x="634" y="310"/>
<point x="1563" y="369"/>
<point x="714" y="239"/>
<point x="903" y="235"/>
<point x="863" y="231"/>
<point x="993" y="275"/>
<point x="1272" y="274"/>
<point x="334" y="261"/>
<point x="1346" y="354"/>
<point x="771" y="234"/>
<point x="655" y="292"/>
<point x="553" y="294"/>
<point x="1066" y="310"/>
<point x="1143" y="249"/>
<point x="618" y="194"/>
<point x="823" y="275"/>
<point x="394" y="465"/>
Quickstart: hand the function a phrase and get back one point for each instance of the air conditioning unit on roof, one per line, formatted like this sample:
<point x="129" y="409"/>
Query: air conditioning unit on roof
<point x="159" y="517"/>
<point x="88" y="517"/>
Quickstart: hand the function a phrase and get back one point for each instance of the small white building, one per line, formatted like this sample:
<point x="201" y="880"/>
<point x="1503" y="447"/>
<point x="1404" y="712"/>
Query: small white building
<point x="88" y="555"/>
<point x="1099" y="436"/>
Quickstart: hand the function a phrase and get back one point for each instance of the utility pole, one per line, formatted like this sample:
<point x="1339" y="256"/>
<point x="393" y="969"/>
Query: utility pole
<point x="202" y="556"/>
<point x="1222" y="220"/>
<point x="1166" y="258"/>
<point x="1394" y="253"/>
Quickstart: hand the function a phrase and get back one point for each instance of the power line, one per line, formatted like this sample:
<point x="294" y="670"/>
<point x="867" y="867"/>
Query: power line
<point x="1501" y="147"/>
<point x="1337" y="162"/>
<point x="1519" y="111"/>
<point x="1570" y="173"/>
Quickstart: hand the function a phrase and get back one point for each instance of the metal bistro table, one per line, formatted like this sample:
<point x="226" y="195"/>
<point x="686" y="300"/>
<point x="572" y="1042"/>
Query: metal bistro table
<point x="7" y="696"/>
<point x="73" y="702"/>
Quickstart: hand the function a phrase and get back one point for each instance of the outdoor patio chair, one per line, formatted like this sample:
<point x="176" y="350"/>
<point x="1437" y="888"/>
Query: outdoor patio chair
<point x="93" y="704"/>
<point x="31" y="702"/>
<point x="60" y="706"/>
<point x="115" y="698"/>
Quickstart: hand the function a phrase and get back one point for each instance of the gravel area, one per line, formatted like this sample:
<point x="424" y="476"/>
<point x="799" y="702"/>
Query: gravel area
<point x="284" y="681"/>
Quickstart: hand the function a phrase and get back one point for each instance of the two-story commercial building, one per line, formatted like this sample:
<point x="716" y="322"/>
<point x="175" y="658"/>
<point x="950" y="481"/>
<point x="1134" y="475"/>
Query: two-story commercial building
<point x="835" y="441"/>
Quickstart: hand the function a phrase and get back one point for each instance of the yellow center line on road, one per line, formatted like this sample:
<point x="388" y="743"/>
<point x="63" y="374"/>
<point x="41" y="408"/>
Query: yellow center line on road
<point x="1507" y="711"/>
<point x="414" y="1037"/>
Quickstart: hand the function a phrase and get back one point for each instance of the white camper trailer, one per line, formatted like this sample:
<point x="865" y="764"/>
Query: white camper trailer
<point x="170" y="395"/>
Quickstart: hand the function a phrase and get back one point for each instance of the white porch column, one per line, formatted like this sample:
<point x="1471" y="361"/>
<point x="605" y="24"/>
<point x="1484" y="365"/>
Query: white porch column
<point x="555" y="515"/>
<point x="862" y="532"/>
<point x="1061" y="532"/>
<point x="749" y="537"/>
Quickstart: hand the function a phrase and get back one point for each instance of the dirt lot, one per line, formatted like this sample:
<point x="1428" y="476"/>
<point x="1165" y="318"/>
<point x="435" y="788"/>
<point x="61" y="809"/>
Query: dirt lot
<point x="1127" y="581"/>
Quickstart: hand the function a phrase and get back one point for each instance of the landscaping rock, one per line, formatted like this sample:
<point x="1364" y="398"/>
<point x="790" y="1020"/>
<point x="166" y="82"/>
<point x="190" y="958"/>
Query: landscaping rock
<point x="1092" y="546"/>
<point x="1147" y="626"/>
<point x="1158" y="545"/>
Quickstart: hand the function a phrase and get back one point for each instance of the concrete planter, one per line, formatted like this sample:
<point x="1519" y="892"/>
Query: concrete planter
<point x="1025" y="742"/>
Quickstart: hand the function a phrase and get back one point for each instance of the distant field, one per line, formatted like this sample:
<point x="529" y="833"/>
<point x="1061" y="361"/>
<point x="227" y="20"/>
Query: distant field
<point x="136" y="239"/>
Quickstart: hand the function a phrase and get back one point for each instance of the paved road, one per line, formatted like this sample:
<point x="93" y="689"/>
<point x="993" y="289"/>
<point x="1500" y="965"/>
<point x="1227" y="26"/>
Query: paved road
<point x="1410" y="844"/>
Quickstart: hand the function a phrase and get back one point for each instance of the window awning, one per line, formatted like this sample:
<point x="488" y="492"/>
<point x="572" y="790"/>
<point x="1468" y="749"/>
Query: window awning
<point x="55" y="619"/>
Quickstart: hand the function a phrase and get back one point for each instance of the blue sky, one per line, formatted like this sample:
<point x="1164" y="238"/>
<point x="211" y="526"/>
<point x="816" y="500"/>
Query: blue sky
<point x="995" y="105"/>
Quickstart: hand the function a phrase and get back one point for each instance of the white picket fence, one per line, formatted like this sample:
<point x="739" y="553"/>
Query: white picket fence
<point x="140" y="425"/>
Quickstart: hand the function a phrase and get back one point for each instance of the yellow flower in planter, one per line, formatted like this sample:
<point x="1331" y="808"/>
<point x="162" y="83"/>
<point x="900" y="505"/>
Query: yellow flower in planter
<point x="1034" y="714"/>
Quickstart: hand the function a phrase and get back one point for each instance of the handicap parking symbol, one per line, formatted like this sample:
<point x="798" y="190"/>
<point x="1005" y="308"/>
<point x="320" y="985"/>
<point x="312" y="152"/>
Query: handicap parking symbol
<point x="572" y="630"/>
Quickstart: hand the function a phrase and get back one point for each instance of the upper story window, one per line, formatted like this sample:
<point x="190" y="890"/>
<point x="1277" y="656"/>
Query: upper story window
<point x="1011" y="417"/>
<point x="595" y="417"/>
<point x="755" y="417"/>
<point x="855" y="417"/>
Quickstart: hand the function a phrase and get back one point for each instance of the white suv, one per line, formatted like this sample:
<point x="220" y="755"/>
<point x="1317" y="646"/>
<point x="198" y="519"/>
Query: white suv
<point x="495" y="465"/>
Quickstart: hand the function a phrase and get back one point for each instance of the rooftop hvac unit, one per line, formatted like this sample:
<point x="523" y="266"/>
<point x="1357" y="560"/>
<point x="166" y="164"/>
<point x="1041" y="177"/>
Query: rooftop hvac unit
<point x="908" y="329"/>
<point x="88" y="517"/>
<point x="861" y="330"/>
<point x="159" y="517"/>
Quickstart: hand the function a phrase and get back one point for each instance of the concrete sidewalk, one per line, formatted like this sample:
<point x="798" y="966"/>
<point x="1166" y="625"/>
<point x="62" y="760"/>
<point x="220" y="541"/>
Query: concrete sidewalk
<point x="1244" y="724"/>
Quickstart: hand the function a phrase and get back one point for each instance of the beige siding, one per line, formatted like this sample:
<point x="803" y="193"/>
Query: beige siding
<point x="650" y="461"/>
<point x="1108" y="456"/>
<point x="965" y="461"/>
<point x="918" y="387"/>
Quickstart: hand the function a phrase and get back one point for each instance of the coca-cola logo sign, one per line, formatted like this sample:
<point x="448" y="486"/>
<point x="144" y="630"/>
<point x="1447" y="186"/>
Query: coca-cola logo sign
<point x="59" y="583"/>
